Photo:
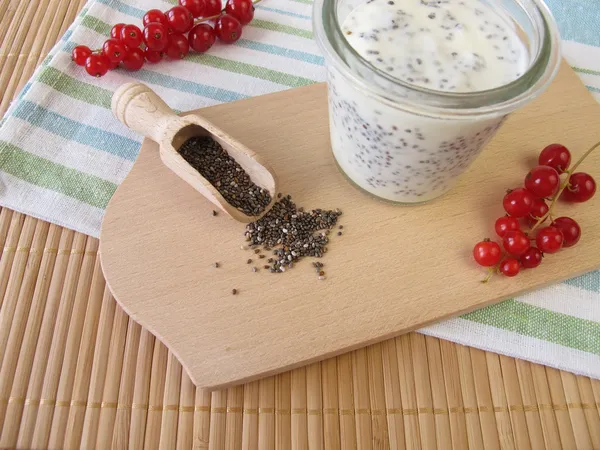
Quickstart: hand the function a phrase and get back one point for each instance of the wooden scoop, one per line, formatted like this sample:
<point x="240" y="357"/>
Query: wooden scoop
<point x="142" y="110"/>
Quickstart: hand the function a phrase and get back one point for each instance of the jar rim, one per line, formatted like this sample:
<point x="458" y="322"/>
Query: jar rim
<point x="421" y="100"/>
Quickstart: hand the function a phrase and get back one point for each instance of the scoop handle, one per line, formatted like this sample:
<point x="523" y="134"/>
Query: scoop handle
<point x="141" y="109"/>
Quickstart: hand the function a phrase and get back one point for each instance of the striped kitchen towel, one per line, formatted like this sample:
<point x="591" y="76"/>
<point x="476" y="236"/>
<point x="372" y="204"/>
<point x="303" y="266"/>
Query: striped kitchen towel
<point x="62" y="154"/>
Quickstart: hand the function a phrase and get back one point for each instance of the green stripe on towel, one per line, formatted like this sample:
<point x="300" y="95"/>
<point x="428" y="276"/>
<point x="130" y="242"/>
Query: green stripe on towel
<point x="44" y="173"/>
<point x="540" y="323"/>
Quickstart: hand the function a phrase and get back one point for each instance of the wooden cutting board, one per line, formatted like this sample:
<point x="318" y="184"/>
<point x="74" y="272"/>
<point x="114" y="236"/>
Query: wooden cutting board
<point x="394" y="269"/>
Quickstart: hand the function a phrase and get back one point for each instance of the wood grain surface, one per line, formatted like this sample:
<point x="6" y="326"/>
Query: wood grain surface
<point x="393" y="270"/>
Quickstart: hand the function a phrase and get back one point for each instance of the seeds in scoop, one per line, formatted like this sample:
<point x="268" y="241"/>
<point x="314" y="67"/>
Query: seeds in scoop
<point x="212" y="162"/>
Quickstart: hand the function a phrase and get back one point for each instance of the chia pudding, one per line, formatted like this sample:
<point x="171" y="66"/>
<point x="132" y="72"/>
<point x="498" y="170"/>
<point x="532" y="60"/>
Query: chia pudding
<point x="427" y="47"/>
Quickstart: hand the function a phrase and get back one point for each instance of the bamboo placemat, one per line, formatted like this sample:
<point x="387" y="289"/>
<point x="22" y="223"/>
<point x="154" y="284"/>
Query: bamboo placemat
<point x="75" y="371"/>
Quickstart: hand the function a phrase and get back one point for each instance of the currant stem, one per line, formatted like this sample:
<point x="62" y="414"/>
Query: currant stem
<point x="563" y="186"/>
<point x="491" y="272"/>
<point x="204" y="19"/>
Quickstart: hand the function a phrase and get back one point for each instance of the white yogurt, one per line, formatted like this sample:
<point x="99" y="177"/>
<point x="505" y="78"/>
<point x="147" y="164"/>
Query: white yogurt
<point x="444" y="45"/>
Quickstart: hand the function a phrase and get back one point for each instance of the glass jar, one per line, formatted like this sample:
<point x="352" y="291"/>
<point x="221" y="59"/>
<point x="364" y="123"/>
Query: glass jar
<point x="407" y="143"/>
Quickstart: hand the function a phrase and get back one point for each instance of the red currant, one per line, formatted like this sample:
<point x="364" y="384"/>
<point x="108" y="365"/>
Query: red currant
<point x="114" y="50"/>
<point x="556" y="156"/>
<point x="113" y="64"/>
<point x="153" y="56"/>
<point x="96" y="65"/>
<point x="131" y="36"/>
<point x="242" y="10"/>
<point x="570" y="229"/>
<point x="516" y="242"/>
<point x="180" y="19"/>
<point x="80" y="54"/>
<point x="115" y="31"/>
<point x="212" y="8"/>
<point x="531" y="258"/>
<point x="518" y="202"/>
<point x="156" y="36"/>
<point x="538" y="210"/>
<point x="155" y="16"/>
<point x="196" y="7"/>
<point x="510" y="267"/>
<point x="506" y="223"/>
<point x="549" y="239"/>
<point x="201" y="37"/>
<point x="178" y="47"/>
<point x="487" y="253"/>
<point x="134" y="59"/>
<point x="581" y="188"/>
<point x="228" y="28"/>
<point x="542" y="181"/>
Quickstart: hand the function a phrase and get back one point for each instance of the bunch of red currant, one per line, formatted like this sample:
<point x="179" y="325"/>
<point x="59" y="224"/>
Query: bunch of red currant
<point x="165" y="34"/>
<point x="528" y="206"/>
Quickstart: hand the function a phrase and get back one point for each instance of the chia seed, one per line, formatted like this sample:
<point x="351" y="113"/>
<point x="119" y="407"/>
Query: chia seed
<point x="292" y="233"/>
<point x="212" y="162"/>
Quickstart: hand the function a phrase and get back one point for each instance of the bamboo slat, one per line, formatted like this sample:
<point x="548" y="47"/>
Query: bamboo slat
<point x="141" y="391"/>
<point x="391" y="386"/>
<point x="234" y="419"/>
<point x="120" y="432"/>
<point x="283" y="412"/>
<point x="407" y="392"/>
<point x="423" y="391"/>
<point x="346" y="402"/>
<point x="155" y="398"/>
<point x="185" y="425"/>
<point x="515" y="402"/>
<point x="168" y="428"/>
<point x="76" y="372"/>
<point x="250" y="419"/>
<point x="438" y="394"/>
<point x="82" y="424"/>
<point x="489" y="428"/>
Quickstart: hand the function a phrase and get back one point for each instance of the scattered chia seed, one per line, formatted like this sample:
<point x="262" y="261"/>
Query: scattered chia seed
<point x="266" y="266"/>
<point x="254" y="269"/>
<point x="339" y="233"/>
<point x="244" y="247"/>
<point x="234" y="291"/>
<point x="257" y="250"/>
<point x="341" y="227"/>
<point x="249" y="261"/>
<point x="216" y="265"/>
<point x="321" y="278"/>
<point x="261" y="256"/>
<point x="212" y="162"/>
<point x="292" y="233"/>
<point x="215" y="213"/>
